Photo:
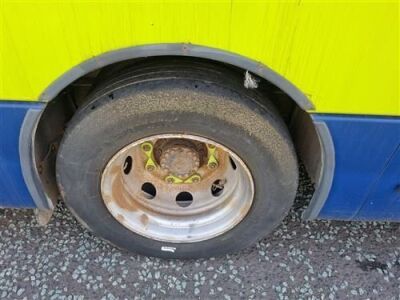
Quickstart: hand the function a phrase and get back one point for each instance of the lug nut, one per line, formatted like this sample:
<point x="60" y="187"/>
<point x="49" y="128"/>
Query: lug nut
<point x="150" y="168"/>
<point x="196" y="179"/>
<point x="146" y="147"/>
<point x="170" y="180"/>
<point x="212" y="165"/>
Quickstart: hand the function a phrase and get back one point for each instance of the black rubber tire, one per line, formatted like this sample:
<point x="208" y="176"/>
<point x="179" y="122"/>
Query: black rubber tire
<point x="194" y="99"/>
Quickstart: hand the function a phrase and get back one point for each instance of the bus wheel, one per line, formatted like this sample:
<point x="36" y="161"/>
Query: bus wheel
<point x="178" y="161"/>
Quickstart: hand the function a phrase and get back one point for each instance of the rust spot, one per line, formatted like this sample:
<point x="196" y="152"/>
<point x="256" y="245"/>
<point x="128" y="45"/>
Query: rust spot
<point x="144" y="219"/>
<point x="120" y="218"/>
<point x="119" y="196"/>
<point x="115" y="170"/>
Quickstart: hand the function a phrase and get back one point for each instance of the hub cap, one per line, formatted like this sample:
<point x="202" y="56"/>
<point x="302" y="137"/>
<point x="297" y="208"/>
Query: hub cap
<point x="180" y="160"/>
<point x="177" y="188"/>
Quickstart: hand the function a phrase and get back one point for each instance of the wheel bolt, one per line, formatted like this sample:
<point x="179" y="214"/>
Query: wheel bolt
<point x="146" y="147"/>
<point x="212" y="165"/>
<point x="150" y="168"/>
<point x="170" y="180"/>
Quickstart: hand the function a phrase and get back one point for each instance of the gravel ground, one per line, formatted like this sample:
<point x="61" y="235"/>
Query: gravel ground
<point x="301" y="260"/>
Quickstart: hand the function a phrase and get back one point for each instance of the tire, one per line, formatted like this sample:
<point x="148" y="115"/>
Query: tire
<point x="197" y="99"/>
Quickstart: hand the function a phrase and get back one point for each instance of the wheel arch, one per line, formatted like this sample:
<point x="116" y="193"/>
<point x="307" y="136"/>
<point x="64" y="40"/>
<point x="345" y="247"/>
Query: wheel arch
<point x="59" y="109"/>
<point x="188" y="50"/>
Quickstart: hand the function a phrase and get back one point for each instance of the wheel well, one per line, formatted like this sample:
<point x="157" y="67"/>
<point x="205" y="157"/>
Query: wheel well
<point x="62" y="107"/>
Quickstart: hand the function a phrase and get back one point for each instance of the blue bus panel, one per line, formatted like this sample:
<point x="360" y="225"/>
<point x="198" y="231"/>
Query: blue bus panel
<point x="13" y="190"/>
<point x="367" y="168"/>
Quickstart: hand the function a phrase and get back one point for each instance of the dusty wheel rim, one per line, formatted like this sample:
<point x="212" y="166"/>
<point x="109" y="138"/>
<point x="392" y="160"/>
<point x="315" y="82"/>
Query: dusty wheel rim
<point x="139" y="194"/>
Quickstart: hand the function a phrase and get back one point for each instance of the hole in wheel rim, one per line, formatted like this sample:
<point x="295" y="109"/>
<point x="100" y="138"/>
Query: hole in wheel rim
<point x="127" y="165"/>
<point x="184" y="199"/>
<point x="218" y="187"/>
<point x="233" y="164"/>
<point x="149" y="190"/>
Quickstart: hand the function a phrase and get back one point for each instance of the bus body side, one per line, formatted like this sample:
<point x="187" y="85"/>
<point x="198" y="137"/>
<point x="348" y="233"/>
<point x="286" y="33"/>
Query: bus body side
<point x="343" y="58"/>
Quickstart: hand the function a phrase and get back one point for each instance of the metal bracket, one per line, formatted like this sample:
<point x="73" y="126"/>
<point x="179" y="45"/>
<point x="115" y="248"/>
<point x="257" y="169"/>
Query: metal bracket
<point x="174" y="179"/>
<point x="150" y="164"/>
<point x="212" y="162"/>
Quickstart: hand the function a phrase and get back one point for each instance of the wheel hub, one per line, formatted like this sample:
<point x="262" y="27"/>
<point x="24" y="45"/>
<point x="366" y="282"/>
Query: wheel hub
<point x="180" y="160"/>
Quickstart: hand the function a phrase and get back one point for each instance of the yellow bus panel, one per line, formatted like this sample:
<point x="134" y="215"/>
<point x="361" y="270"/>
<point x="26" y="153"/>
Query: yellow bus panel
<point x="344" y="56"/>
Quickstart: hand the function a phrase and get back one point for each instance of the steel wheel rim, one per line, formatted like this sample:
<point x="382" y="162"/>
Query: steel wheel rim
<point x="162" y="217"/>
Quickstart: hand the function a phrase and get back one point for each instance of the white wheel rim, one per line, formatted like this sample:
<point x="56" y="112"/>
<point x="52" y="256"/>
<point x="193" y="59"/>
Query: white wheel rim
<point x="214" y="209"/>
